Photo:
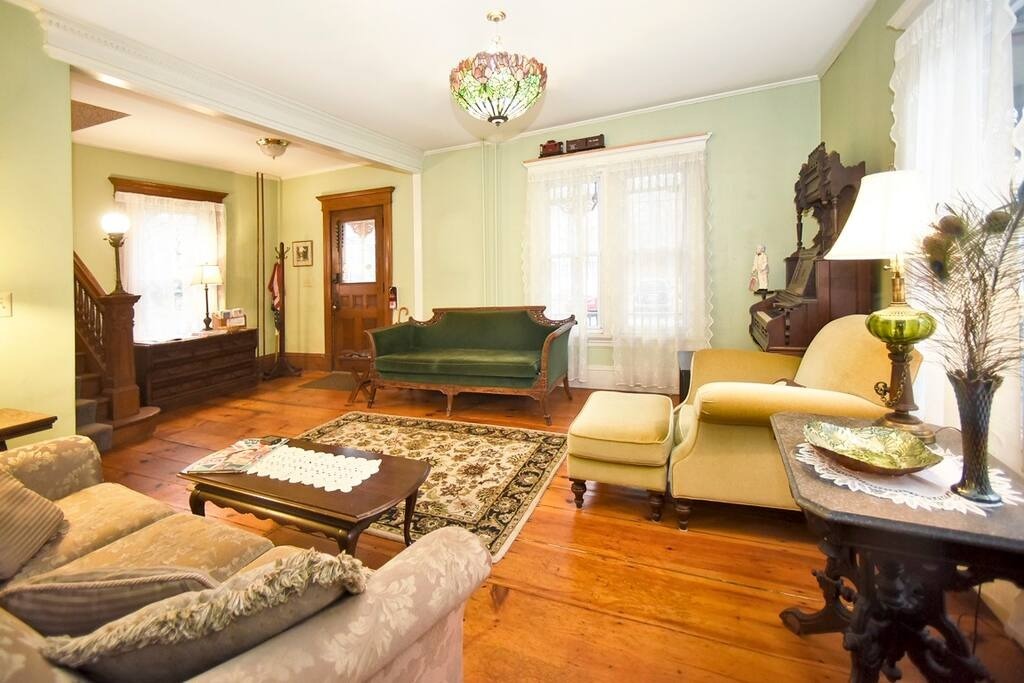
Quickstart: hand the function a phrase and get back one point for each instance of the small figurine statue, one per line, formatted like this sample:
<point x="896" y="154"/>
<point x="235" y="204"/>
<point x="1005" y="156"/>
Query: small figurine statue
<point x="759" y="271"/>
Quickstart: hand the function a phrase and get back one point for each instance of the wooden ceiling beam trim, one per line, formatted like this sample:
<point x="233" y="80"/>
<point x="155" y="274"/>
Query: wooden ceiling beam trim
<point x="149" y="187"/>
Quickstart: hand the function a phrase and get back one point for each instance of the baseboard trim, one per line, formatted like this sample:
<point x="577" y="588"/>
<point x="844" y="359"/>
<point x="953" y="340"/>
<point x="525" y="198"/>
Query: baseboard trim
<point x="303" y="361"/>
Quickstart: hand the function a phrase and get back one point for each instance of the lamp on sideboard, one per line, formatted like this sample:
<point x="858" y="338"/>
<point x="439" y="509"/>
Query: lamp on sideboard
<point x="888" y="220"/>
<point x="206" y="275"/>
<point x="115" y="225"/>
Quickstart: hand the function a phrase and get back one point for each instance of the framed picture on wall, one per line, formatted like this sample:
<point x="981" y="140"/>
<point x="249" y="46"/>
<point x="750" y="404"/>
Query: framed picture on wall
<point x="302" y="253"/>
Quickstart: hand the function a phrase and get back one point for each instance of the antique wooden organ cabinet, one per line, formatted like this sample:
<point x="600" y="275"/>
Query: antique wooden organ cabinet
<point x="817" y="291"/>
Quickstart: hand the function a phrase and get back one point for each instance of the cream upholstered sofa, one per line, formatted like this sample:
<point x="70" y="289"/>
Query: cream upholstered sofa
<point x="724" y="449"/>
<point x="406" y="626"/>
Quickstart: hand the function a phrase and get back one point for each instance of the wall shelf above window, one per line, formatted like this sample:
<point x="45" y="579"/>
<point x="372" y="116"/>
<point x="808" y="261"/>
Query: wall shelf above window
<point x="619" y="153"/>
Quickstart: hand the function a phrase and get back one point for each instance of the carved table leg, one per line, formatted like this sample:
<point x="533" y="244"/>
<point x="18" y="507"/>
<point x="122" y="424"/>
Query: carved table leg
<point x="656" y="501"/>
<point x="373" y="394"/>
<point x="683" y="513"/>
<point x="348" y="538"/>
<point x="835" y="615"/>
<point x="579" y="487"/>
<point x="410" y="507"/>
<point x="196" y="503"/>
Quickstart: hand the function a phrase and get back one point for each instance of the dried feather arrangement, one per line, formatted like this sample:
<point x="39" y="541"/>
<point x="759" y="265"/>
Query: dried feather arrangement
<point x="968" y="274"/>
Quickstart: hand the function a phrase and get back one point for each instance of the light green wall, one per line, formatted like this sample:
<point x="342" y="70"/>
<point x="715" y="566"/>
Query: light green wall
<point x="453" y="239"/>
<point x="856" y="102"/>
<point x="93" y="197"/>
<point x="37" y="359"/>
<point x="301" y="219"/>
<point x="474" y="207"/>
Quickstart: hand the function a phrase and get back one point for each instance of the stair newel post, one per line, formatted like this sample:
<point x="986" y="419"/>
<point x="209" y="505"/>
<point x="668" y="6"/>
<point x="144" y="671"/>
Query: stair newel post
<point x="119" y="345"/>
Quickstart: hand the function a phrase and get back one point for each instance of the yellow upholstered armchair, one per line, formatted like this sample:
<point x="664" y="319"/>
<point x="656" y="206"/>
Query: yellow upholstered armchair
<point x="724" y="449"/>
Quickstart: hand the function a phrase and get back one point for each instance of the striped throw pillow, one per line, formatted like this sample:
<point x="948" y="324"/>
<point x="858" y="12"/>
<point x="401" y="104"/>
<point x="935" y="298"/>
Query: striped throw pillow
<point x="76" y="603"/>
<point x="27" y="522"/>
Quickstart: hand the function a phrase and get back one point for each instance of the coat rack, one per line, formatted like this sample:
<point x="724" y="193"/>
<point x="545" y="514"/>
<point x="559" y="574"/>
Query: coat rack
<point x="281" y="367"/>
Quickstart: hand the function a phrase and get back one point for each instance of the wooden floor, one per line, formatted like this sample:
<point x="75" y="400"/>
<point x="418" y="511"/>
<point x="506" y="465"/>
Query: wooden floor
<point x="599" y="594"/>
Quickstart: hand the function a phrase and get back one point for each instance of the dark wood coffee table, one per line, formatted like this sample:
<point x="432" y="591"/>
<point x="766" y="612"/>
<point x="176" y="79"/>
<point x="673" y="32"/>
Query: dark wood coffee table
<point x="337" y="515"/>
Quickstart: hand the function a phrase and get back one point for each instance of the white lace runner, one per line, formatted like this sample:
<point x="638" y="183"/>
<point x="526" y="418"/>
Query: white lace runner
<point x="925" y="490"/>
<point x="323" y="470"/>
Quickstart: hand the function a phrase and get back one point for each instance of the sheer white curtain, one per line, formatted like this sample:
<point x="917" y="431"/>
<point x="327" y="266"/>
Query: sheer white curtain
<point x="954" y="119"/>
<point x="656" y="290"/>
<point x="620" y="240"/>
<point x="166" y="241"/>
<point x="559" y="267"/>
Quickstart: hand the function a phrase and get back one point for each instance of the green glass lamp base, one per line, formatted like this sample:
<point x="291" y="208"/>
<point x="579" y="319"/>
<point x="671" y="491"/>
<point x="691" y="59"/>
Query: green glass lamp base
<point x="900" y="327"/>
<point x="901" y="324"/>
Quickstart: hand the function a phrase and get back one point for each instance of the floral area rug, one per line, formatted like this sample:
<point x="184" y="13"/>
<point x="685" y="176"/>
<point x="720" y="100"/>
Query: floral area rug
<point x="483" y="478"/>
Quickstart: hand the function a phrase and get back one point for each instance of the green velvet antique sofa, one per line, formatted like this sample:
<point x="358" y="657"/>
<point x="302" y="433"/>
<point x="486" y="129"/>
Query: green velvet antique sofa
<point x="497" y="350"/>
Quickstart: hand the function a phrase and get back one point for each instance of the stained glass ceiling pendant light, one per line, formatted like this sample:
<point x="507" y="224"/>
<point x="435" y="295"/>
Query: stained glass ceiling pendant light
<point x="497" y="86"/>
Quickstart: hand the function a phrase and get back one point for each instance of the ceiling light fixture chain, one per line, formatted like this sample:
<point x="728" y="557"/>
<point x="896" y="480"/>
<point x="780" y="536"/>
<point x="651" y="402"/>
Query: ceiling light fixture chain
<point x="495" y="85"/>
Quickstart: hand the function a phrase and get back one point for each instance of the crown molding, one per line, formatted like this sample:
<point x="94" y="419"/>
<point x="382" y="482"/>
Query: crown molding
<point x="668" y="105"/>
<point x="453" y="148"/>
<point x="905" y="14"/>
<point x="121" y="61"/>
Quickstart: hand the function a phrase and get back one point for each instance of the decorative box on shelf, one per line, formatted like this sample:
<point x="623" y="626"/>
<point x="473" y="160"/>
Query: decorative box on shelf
<point x="551" y="148"/>
<point x="584" y="144"/>
<point x="231" y="319"/>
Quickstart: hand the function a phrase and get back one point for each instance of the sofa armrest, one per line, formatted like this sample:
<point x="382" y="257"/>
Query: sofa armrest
<point x="385" y="340"/>
<point x="359" y="635"/>
<point x="554" y="356"/>
<point x="733" y="365"/>
<point x="746" y="403"/>
<point x="55" y="468"/>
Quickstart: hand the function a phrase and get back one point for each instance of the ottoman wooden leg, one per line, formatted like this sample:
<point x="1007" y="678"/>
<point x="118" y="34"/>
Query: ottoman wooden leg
<point x="657" y="502"/>
<point x="579" y="487"/>
<point x="683" y="511"/>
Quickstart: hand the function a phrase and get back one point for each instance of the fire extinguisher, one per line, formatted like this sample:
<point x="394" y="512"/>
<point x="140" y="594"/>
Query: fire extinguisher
<point x="393" y="298"/>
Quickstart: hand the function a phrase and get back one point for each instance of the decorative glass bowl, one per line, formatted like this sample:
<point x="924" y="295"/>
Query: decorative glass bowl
<point x="875" y="450"/>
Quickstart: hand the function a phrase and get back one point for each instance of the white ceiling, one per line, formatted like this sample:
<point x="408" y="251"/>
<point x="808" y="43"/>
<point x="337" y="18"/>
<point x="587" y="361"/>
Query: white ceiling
<point x="384" y="64"/>
<point x="158" y="129"/>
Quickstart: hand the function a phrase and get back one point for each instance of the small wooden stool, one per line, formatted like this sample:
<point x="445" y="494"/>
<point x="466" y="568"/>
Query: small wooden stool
<point x="358" y="363"/>
<point x="623" y="439"/>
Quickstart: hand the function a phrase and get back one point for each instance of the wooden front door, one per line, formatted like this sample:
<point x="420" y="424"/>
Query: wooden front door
<point x="357" y="270"/>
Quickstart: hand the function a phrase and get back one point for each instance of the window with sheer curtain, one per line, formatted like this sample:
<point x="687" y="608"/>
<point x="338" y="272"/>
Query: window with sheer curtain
<point x="954" y="114"/>
<point x="168" y="239"/>
<point x="618" y="239"/>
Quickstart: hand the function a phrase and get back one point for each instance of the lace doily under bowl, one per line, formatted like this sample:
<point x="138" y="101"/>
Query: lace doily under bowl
<point x="875" y="450"/>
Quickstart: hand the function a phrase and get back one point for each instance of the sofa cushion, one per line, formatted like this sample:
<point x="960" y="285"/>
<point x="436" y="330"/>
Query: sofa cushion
<point x="27" y="522"/>
<point x="625" y="428"/>
<point x="482" y="329"/>
<point x="185" y="635"/>
<point x="95" y="516"/>
<point x="181" y="540"/>
<point x="20" y="659"/>
<point x="462" y="361"/>
<point x="74" y="604"/>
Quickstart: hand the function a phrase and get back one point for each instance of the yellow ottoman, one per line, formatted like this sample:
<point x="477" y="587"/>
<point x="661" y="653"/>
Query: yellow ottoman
<point x="623" y="439"/>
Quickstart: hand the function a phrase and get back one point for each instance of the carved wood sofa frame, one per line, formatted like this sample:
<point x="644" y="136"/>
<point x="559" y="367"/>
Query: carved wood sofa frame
<point x="539" y="391"/>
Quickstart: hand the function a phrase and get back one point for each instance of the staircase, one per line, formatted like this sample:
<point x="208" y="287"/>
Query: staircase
<point x="90" y="406"/>
<point x="107" y="406"/>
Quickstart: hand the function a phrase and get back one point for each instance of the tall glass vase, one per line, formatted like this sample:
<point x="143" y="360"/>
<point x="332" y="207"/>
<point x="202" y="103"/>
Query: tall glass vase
<point x="974" y="401"/>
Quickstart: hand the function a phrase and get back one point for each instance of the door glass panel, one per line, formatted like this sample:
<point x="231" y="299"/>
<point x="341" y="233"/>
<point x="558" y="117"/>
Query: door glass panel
<point x="359" y="251"/>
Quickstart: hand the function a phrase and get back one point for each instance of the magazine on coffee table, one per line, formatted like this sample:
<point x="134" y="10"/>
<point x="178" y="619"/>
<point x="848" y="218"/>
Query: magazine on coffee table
<point x="237" y="457"/>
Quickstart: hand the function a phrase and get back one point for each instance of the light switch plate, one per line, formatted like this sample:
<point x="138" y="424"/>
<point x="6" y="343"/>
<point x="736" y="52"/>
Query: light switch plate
<point x="6" y="302"/>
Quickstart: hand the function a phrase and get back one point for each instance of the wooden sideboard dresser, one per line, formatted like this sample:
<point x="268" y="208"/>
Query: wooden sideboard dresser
<point x="184" y="371"/>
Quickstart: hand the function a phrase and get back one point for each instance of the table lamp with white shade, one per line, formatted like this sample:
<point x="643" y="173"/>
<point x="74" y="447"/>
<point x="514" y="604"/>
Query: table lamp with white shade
<point x="888" y="221"/>
<point x="206" y="275"/>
